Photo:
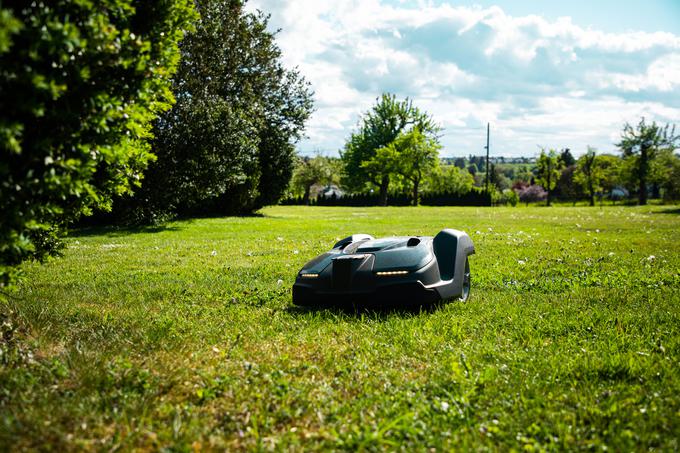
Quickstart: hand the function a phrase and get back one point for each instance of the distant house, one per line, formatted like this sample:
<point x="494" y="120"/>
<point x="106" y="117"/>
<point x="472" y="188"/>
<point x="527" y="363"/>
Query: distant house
<point x="326" y="191"/>
<point x="619" y="193"/>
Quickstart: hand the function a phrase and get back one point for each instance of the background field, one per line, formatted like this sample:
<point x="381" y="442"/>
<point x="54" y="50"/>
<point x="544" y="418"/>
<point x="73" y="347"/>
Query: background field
<point x="185" y="337"/>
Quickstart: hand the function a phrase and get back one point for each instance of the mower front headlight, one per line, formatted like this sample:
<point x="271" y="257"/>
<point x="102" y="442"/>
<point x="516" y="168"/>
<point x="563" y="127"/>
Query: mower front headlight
<point x="390" y="273"/>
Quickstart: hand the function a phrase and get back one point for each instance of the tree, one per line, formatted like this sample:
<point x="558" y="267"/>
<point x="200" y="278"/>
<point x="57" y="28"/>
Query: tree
<point x="509" y="196"/>
<point x="227" y="146"/>
<point x="665" y="172"/>
<point x="377" y="128"/>
<point x="640" y="145"/>
<point x="498" y="178"/>
<point x="79" y="87"/>
<point x="412" y="155"/>
<point x="450" y="179"/>
<point x="314" y="170"/>
<point x="567" y="188"/>
<point x="566" y="158"/>
<point x="610" y="166"/>
<point x="523" y="173"/>
<point x="589" y="174"/>
<point x="548" y="167"/>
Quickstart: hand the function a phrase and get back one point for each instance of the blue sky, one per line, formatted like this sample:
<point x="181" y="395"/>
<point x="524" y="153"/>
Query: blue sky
<point x="605" y="15"/>
<point x="544" y="74"/>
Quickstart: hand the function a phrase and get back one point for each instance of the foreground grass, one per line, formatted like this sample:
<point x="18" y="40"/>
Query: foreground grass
<point x="185" y="337"/>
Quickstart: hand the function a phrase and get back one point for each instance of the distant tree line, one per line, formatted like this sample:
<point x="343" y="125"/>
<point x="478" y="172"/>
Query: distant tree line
<point x="375" y="170"/>
<point x="475" y="197"/>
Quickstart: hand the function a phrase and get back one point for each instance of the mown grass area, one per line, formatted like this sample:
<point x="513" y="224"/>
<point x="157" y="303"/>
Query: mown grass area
<point x="185" y="337"/>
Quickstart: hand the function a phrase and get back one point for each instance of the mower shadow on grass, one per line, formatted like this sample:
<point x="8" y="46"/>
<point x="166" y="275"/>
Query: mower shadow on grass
<point x="374" y="312"/>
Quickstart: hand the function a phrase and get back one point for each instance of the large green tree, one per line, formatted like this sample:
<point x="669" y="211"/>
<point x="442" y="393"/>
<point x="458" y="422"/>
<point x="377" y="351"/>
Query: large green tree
<point x="412" y="155"/>
<point x="548" y="168"/>
<point x="378" y="128"/>
<point x="80" y="83"/>
<point x="228" y="143"/>
<point x="640" y="145"/>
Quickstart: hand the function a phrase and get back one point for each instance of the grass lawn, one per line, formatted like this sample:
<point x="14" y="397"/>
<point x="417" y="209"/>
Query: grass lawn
<point x="185" y="337"/>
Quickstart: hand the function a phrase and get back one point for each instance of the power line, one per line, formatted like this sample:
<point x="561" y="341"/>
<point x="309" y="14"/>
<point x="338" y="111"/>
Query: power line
<point x="487" y="156"/>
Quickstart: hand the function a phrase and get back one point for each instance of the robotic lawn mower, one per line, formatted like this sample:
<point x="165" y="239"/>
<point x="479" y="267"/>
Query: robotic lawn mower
<point x="388" y="272"/>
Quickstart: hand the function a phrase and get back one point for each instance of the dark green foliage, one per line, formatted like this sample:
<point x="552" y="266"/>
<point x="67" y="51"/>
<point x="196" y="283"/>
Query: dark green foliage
<point x="548" y="169"/>
<point x="475" y="196"/>
<point x="589" y="174"/>
<point x="452" y="179"/>
<point x="498" y="178"/>
<point x="567" y="189"/>
<point x="567" y="158"/>
<point x="378" y="128"/>
<point x="640" y="146"/>
<point x="227" y="144"/>
<point x="80" y="82"/>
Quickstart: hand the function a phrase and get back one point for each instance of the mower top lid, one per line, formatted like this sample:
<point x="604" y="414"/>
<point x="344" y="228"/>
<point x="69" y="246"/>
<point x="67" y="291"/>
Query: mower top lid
<point x="407" y="253"/>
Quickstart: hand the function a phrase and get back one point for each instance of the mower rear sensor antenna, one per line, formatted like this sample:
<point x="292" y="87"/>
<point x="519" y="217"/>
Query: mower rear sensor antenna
<point x="342" y="243"/>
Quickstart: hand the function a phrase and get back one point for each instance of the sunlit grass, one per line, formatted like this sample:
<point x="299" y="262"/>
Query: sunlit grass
<point x="185" y="337"/>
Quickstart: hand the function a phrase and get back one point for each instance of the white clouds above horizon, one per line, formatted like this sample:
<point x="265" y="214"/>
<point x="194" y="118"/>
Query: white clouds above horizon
<point x="538" y="82"/>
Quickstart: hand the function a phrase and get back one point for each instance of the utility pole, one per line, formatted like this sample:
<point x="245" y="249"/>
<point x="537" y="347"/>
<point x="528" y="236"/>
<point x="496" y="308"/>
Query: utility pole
<point x="487" y="157"/>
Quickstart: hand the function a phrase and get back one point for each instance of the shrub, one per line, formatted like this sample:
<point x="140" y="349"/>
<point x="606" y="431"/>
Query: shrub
<point x="533" y="193"/>
<point x="79" y="87"/>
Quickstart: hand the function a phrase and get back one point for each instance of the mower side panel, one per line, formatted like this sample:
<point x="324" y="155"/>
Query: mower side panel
<point x="452" y="247"/>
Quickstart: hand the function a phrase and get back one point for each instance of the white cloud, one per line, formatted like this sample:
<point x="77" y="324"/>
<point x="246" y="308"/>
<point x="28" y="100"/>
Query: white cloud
<point x="537" y="81"/>
<point x="662" y="74"/>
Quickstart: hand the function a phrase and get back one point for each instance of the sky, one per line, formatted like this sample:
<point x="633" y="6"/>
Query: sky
<point x="544" y="74"/>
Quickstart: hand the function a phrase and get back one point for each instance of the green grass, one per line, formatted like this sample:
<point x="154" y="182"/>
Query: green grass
<point x="185" y="337"/>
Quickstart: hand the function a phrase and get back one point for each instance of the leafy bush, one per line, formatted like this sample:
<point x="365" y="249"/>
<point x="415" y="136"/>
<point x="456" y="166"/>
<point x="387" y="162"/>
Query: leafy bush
<point x="510" y="197"/>
<point x="79" y="87"/>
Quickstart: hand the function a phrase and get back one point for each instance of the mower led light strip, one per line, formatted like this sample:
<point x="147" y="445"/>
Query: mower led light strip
<point x="309" y="275"/>
<point x="387" y="273"/>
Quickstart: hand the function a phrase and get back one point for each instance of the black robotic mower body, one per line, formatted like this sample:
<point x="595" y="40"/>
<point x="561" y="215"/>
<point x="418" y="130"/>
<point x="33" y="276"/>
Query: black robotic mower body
<point x="395" y="271"/>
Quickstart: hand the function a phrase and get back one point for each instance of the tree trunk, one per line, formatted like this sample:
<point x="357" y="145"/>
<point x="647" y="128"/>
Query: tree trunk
<point x="591" y="191"/>
<point x="642" y="196"/>
<point x="305" y="198"/>
<point x="416" y="183"/>
<point x="384" y="184"/>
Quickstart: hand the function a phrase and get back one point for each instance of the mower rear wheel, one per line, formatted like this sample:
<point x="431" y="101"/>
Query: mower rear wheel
<point x="466" y="282"/>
